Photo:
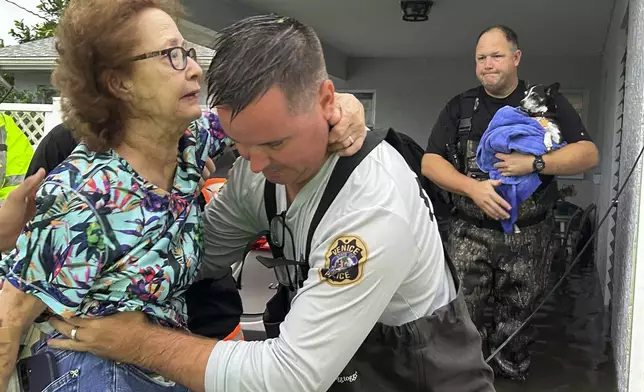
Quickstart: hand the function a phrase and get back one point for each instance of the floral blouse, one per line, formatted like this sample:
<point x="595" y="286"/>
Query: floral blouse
<point x="104" y="240"/>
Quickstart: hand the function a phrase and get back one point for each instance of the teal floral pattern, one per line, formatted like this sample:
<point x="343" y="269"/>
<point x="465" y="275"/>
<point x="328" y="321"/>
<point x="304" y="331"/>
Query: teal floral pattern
<point x="104" y="240"/>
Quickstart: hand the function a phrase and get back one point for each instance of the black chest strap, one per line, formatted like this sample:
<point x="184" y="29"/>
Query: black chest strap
<point x="341" y="173"/>
<point x="468" y="105"/>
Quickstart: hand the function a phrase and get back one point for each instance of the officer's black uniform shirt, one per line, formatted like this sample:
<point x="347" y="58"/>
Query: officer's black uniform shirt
<point x="53" y="149"/>
<point x="446" y="128"/>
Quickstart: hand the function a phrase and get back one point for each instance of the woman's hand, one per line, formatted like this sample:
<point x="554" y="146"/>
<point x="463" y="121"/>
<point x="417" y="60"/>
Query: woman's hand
<point x="18" y="209"/>
<point x="348" y="129"/>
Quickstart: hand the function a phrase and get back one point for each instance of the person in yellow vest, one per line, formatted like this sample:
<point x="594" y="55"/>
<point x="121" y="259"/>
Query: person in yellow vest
<point x="15" y="155"/>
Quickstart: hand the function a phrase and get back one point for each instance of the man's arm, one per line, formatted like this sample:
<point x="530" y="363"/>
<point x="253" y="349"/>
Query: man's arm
<point x="231" y="220"/>
<point x="329" y="320"/>
<point x="17" y="210"/>
<point x="482" y="193"/>
<point x="435" y="167"/>
<point x="578" y="156"/>
<point x="178" y="356"/>
<point x="17" y="311"/>
<point x="30" y="285"/>
<point x="445" y="175"/>
<point x="571" y="159"/>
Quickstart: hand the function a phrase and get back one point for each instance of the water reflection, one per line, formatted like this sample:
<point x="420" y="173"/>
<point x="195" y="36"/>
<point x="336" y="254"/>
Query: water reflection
<point x="573" y="351"/>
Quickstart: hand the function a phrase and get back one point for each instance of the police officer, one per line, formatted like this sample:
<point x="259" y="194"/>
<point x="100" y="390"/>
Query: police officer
<point x="513" y="268"/>
<point x="15" y="155"/>
<point x="214" y="305"/>
<point x="372" y="303"/>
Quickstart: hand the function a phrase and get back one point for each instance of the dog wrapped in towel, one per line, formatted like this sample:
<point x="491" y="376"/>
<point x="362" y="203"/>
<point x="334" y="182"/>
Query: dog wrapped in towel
<point x="510" y="130"/>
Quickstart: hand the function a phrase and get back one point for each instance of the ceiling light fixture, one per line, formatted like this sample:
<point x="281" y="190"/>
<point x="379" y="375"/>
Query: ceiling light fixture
<point x="416" y="10"/>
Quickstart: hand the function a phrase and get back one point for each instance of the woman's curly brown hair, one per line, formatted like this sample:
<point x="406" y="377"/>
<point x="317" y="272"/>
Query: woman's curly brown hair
<point x="93" y="39"/>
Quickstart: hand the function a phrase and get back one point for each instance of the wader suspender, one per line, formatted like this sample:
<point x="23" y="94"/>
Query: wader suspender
<point x="468" y="105"/>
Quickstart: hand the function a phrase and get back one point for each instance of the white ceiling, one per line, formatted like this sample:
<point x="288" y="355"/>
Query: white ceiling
<point x="374" y="28"/>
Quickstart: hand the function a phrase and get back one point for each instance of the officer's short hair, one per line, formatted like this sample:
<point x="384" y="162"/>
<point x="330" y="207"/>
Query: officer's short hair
<point x="259" y="52"/>
<point x="509" y="34"/>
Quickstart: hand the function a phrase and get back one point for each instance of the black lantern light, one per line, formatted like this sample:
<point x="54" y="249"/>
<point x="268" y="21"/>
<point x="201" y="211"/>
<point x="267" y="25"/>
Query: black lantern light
<point x="416" y="10"/>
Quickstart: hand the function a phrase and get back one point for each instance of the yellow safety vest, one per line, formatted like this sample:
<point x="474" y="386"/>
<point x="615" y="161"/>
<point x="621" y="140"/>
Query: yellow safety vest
<point x="15" y="155"/>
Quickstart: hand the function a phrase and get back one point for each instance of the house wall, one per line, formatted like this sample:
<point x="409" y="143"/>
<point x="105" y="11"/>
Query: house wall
<point x="628" y="299"/>
<point x="30" y="80"/>
<point x="613" y="277"/>
<point x="411" y="92"/>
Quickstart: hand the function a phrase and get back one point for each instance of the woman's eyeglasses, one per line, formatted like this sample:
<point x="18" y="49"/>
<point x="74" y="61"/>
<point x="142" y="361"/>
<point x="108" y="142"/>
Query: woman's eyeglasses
<point x="177" y="55"/>
<point x="277" y="239"/>
<point x="276" y="236"/>
<point x="278" y="230"/>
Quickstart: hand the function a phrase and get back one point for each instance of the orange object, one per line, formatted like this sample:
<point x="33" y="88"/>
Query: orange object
<point x="236" y="334"/>
<point x="211" y="187"/>
<point x="261" y="244"/>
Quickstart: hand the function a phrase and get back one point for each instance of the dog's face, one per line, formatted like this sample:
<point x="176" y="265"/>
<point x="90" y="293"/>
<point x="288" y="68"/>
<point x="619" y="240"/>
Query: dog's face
<point x="539" y="99"/>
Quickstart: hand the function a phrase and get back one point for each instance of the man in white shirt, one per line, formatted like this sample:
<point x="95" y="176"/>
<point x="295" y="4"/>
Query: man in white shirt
<point x="372" y="306"/>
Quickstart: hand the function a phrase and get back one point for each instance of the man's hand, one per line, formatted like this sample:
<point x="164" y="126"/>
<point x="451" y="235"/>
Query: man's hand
<point x="348" y="129"/>
<point x="113" y="337"/>
<point x="129" y="337"/>
<point x="18" y="209"/>
<point x="514" y="164"/>
<point x="483" y="193"/>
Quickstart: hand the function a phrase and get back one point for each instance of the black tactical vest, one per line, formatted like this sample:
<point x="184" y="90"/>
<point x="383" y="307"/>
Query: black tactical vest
<point x="471" y="125"/>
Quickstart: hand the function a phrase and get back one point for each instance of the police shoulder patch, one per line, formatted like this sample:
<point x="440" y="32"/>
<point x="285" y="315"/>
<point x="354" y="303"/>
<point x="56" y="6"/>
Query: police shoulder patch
<point x="344" y="261"/>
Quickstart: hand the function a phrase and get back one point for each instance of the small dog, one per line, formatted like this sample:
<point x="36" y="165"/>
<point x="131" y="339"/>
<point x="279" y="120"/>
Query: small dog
<point x="539" y="104"/>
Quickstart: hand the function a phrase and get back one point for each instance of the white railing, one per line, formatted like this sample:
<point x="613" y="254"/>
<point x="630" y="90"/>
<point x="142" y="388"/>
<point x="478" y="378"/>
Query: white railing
<point x="33" y="119"/>
<point x="37" y="120"/>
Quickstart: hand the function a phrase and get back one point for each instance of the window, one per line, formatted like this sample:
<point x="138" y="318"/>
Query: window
<point x="579" y="100"/>
<point x="45" y="93"/>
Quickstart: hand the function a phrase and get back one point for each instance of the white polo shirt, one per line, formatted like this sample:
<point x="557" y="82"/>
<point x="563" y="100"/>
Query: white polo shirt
<point x="378" y="231"/>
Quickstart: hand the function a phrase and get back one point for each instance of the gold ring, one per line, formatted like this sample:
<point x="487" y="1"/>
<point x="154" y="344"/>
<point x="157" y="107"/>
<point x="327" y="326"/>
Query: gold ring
<point x="74" y="332"/>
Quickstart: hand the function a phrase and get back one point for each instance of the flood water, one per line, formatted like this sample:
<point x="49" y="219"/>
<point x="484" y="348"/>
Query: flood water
<point x="573" y="350"/>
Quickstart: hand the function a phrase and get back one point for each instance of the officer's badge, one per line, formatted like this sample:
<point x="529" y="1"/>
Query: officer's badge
<point x="344" y="261"/>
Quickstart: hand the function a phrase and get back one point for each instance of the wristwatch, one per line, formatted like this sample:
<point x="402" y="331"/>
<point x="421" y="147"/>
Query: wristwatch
<point x="538" y="164"/>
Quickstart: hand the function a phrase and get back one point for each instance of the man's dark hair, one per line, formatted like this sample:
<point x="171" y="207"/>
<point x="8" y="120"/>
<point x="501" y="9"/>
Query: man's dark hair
<point x="259" y="52"/>
<point x="509" y="34"/>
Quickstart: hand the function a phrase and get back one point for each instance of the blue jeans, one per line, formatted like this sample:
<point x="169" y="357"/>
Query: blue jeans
<point x="80" y="372"/>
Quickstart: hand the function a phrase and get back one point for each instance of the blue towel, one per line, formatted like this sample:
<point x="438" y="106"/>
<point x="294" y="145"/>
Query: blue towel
<point x="512" y="130"/>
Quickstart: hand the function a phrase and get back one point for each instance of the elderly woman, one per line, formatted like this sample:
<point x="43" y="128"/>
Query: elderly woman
<point x="117" y="227"/>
